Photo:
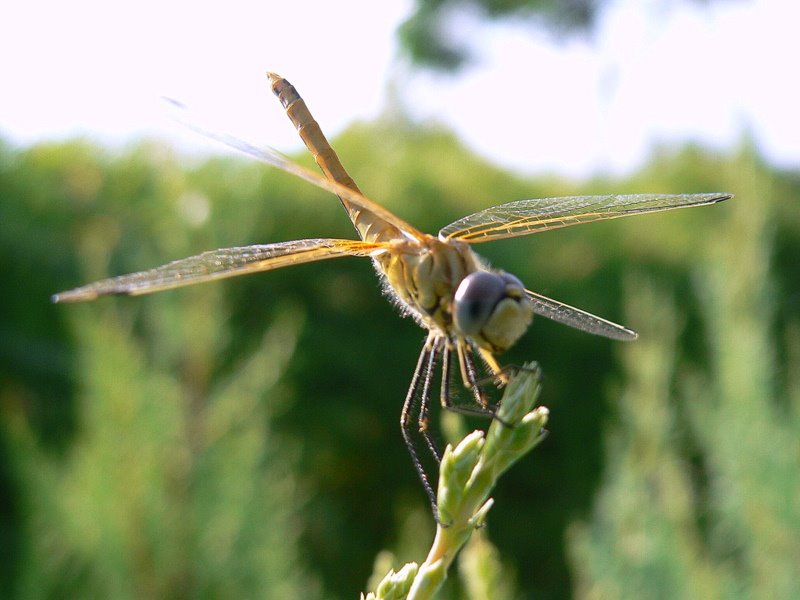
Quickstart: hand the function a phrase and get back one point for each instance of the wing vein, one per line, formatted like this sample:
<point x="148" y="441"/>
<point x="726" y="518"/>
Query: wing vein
<point x="222" y="263"/>
<point x="531" y="216"/>
<point x="577" y="318"/>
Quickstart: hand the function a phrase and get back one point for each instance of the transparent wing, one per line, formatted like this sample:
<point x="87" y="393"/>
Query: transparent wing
<point x="276" y="159"/>
<point x="579" y="319"/>
<point x="218" y="264"/>
<point x="531" y="216"/>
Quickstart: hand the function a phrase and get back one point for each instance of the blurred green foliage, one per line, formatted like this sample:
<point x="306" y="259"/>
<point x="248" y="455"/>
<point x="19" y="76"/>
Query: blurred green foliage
<point x="240" y="439"/>
<point x="721" y="521"/>
<point x="434" y="35"/>
<point x="429" y="37"/>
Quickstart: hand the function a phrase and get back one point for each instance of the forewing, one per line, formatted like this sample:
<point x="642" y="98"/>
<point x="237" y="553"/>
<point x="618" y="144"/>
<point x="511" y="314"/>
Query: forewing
<point x="218" y="264"/>
<point x="276" y="159"/>
<point x="531" y="216"/>
<point x="577" y="318"/>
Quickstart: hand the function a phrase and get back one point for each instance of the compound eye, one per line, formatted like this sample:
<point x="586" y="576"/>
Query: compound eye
<point x="475" y="299"/>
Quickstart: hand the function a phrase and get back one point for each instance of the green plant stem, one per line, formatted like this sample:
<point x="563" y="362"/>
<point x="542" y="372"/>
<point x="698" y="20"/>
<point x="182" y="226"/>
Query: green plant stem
<point x="467" y="475"/>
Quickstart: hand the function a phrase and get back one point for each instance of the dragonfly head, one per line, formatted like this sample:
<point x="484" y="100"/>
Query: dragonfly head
<point x="492" y="309"/>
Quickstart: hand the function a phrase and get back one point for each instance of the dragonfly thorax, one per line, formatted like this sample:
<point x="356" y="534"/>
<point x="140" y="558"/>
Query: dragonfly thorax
<point x="445" y="286"/>
<point x="422" y="277"/>
<point x="492" y="309"/>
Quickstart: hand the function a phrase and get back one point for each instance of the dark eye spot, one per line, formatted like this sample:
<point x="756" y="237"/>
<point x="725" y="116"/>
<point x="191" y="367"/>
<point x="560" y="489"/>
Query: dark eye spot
<point x="475" y="299"/>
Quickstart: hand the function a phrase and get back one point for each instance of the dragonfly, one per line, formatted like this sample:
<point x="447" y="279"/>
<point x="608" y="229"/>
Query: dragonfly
<point x="472" y="312"/>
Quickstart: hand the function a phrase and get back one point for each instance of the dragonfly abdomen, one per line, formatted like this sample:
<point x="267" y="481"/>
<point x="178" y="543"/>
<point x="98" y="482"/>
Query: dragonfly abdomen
<point x="370" y="227"/>
<point x="310" y="132"/>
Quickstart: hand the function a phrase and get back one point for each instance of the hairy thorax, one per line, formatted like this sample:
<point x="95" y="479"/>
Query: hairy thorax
<point x="423" y="277"/>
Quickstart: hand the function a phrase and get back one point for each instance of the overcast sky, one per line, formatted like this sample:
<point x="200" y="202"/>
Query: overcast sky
<point x="674" y="71"/>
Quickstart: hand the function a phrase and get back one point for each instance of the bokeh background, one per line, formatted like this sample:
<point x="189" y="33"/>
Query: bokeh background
<point x="240" y="439"/>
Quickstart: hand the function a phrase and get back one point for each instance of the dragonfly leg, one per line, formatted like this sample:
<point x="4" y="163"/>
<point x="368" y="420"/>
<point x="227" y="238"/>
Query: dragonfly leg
<point x="425" y="399"/>
<point x="419" y="388"/>
<point x="499" y="374"/>
<point x="469" y="375"/>
<point x="506" y="372"/>
<point x="445" y="394"/>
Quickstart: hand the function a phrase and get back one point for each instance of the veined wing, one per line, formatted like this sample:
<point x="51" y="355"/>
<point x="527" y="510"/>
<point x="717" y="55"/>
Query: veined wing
<point x="274" y="158"/>
<point x="579" y="319"/>
<point x="531" y="216"/>
<point x="218" y="264"/>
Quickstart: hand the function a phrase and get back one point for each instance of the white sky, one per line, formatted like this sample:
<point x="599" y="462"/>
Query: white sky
<point x="654" y="71"/>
